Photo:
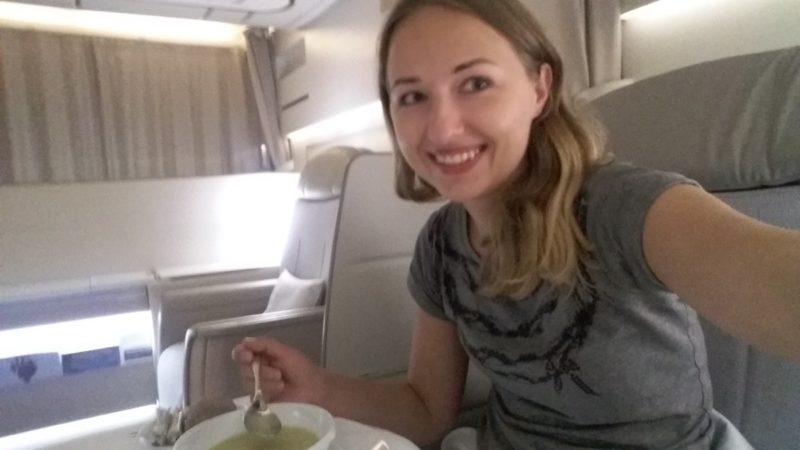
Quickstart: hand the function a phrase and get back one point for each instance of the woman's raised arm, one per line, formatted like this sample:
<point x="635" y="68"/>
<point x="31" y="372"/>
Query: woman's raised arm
<point x="741" y="274"/>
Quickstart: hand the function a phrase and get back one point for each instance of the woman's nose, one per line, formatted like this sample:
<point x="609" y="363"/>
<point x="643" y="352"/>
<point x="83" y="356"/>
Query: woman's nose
<point x="445" y="121"/>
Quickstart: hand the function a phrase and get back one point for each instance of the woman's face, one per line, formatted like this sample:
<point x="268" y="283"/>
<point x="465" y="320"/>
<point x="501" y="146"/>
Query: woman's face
<point x="462" y="102"/>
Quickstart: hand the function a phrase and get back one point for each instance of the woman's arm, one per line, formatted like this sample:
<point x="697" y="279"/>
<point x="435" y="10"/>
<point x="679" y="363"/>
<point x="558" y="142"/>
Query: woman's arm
<point x="741" y="274"/>
<point x="422" y="408"/>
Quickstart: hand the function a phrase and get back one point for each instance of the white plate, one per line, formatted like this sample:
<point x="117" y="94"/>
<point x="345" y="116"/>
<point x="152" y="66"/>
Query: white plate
<point x="352" y="435"/>
<point x="211" y="432"/>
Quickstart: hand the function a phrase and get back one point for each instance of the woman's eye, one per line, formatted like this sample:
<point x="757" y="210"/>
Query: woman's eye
<point x="410" y="98"/>
<point x="476" y="84"/>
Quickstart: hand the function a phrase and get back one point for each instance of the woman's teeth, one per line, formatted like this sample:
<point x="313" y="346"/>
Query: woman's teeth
<point x="451" y="159"/>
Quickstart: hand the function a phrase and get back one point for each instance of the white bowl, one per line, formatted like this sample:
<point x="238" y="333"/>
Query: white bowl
<point x="211" y="432"/>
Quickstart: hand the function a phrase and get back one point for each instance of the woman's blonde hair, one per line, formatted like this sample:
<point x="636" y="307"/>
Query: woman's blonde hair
<point x="535" y="235"/>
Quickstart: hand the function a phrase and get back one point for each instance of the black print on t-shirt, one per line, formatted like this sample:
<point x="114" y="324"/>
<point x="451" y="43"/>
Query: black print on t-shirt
<point x="554" y="365"/>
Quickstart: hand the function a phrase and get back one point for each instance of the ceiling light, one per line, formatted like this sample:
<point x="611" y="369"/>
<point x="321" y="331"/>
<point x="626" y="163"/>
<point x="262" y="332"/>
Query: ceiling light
<point x="132" y="26"/>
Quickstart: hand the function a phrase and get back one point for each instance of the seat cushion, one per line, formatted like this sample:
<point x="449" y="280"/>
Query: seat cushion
<point x="170" y="376"/>
<point x="291" y="292"/>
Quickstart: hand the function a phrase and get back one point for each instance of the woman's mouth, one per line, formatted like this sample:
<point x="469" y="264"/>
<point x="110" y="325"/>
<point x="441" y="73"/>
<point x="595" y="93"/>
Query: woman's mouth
<point x="455" y="162"/>
<point x="452" y="159"/>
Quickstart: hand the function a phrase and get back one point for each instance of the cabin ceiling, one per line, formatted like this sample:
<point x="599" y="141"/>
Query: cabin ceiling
<point x="289" y="14"/>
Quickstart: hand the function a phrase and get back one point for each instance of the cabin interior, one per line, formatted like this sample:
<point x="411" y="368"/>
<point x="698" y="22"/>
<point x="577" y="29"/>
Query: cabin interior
<point x="204" y="118"/>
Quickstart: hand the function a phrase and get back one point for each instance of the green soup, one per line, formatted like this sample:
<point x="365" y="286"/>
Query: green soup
<point x="290" y="438"/>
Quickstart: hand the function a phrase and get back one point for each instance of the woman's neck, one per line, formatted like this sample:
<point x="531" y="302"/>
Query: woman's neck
<point x="479" y="216"/>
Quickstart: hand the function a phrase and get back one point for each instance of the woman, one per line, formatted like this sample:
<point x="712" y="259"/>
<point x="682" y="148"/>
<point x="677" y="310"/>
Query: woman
<point x="552" y="267"/>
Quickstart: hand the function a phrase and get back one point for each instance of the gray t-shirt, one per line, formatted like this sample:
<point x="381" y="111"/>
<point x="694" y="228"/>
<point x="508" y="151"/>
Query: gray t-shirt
<point x="620" y="363"/>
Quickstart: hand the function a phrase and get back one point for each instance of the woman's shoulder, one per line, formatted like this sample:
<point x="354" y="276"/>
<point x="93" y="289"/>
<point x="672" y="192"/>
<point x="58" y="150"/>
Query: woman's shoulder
<point x="614" y="169"/>
<point x="619" y="178"/>
<point x="612" y="210"/>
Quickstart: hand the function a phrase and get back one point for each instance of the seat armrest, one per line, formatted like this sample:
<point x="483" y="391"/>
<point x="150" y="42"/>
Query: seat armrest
<point x="178" y="308"/>
<point x="208" y="368"/>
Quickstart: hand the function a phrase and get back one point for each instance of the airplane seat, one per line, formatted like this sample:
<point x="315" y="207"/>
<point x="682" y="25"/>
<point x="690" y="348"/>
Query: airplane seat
<point x="370" y="312"/>
<point x="734" y="126"/>
<point x="198" y="319"/>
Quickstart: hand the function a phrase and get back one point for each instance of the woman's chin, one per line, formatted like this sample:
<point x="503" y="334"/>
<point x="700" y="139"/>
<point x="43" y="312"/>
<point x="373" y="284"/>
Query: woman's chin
<point x="459" y="195"/>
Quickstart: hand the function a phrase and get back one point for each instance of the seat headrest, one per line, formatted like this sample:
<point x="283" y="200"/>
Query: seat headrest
<point x="323" y="174"/>
<point x="731" y="124"/>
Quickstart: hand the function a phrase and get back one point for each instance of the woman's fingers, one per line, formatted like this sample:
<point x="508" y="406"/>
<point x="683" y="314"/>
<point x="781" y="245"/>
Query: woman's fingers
<point x="270" y="374"/>
<point x="265" y="346"/>
<point x="241" y="354"/>
<point x="272" y="383"/>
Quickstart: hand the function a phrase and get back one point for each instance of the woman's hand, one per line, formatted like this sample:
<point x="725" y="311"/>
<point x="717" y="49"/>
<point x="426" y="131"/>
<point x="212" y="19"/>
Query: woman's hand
<point x="286" y="373"/>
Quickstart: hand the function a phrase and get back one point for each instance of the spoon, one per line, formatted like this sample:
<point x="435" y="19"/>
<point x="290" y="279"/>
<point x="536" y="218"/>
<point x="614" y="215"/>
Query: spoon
<point x="258" y="419"/>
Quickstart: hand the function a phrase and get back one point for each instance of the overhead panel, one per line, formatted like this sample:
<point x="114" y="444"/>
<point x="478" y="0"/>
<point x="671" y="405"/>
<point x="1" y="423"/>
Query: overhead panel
<point x="58" y="3"/>
<point x="149" y="8"/>
<point x="248" y="5"/>
<point x="260" y="13"/>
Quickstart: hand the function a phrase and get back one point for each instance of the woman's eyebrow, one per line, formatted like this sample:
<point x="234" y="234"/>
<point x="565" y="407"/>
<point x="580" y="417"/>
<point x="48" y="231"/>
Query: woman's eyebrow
<point x="404" y="80"/>
<point x="471" y="63"/>
<point x="461" y="67"/>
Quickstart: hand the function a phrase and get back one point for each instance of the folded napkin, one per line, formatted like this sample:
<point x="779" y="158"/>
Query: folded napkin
<point x="170" y="423"/>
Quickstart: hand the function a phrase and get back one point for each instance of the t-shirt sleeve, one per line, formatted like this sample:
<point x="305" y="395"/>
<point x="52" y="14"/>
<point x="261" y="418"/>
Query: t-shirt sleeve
<point x="423" y="274"/>
<point x="618" y="199"/>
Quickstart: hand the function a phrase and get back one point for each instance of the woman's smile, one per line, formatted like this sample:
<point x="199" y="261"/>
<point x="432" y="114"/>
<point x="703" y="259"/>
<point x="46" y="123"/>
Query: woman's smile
<point x="458" y="161"/>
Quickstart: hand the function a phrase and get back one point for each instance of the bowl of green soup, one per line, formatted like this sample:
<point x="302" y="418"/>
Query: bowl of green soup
<point x="305" y="427"/>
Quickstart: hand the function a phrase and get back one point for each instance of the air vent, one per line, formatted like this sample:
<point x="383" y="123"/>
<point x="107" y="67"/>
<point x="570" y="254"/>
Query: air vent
<point x="255" y="6"/>
<point x="58" y="3"/>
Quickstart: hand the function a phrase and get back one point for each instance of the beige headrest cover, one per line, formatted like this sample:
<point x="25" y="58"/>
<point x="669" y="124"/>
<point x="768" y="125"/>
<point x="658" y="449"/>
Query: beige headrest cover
<point x="323" y="174"/>
<point x="731" y="124"/>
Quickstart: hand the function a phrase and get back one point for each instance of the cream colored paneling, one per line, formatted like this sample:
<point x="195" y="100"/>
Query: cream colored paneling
<point x="374" y="139"/>
<point x="340" y="70"/>
<point x="82" y="230"/>
<point x="697" y="31"/>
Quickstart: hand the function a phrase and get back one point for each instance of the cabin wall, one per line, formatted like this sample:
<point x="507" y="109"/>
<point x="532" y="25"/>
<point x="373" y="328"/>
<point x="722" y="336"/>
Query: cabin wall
<point x="695" y="32"/>
<point x="89" y="230"/>
<point x="340" y="66"/>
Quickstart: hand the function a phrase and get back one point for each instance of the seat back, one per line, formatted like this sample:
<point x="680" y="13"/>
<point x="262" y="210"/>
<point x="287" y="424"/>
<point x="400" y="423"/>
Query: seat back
<point x="757" y="391"/>
<point x="309" y="247"/>
<point x="732" y="125"/>
<point x="369" y="310"/>
<point x="178" y="302"/>
<point x="209" y="312"/>
<point x="182" y="301"/>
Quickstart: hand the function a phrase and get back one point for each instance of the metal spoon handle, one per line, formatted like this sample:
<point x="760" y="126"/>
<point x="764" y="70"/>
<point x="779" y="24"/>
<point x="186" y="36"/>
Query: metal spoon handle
<point x="258" y="396"/>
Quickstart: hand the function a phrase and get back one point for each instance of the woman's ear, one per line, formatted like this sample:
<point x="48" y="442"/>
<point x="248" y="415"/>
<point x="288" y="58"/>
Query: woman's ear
<point x="542" y="82"/>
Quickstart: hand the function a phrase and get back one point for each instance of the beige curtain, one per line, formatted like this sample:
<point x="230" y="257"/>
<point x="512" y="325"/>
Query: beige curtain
<point x="262" y="77"/>
<point x="79" y="108"/>
<point x="587" y="33"/>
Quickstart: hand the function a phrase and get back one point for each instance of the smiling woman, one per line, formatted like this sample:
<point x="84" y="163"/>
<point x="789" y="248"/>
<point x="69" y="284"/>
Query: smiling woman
<point x="567" y="276"/>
